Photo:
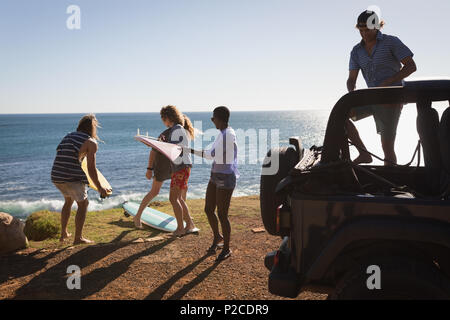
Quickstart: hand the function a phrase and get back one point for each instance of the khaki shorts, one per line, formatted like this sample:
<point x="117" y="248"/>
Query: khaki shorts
<point x="75" y="190"/>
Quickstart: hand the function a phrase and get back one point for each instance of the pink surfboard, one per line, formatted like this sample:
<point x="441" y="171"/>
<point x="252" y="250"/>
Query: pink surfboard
<point x="170" y="150"/>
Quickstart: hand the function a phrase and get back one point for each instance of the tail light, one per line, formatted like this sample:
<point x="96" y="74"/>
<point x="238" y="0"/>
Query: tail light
<point x="283" y="219"/>
<point x="278" y="217"/>
<point x="276" y="259"/>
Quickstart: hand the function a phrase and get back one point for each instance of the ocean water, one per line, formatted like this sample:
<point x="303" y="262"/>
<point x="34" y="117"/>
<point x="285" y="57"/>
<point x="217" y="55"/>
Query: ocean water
<point x="28" y="144"/>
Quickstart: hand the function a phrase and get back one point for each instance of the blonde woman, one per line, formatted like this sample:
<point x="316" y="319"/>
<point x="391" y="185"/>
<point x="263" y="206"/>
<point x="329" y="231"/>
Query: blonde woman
<point x="180" y="132"/>
<point x="158" y="170"/>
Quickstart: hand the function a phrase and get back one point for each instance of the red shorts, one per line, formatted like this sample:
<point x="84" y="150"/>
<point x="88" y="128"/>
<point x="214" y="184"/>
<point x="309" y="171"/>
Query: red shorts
<point x="180" y="178"/>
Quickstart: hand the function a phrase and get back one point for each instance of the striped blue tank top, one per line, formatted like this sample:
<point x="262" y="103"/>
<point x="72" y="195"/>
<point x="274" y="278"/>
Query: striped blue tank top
<point x="67" y="166"/>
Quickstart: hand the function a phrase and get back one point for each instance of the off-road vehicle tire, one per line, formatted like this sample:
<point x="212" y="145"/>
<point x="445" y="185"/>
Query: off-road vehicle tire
<point x="401" y="279"/>
<point x="269" y="202"/>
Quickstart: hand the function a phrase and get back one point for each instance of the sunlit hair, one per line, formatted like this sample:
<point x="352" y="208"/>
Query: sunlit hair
<point x="89" y="124"/>
<point x="172" y="114"/>
<point x="188" y="126"/>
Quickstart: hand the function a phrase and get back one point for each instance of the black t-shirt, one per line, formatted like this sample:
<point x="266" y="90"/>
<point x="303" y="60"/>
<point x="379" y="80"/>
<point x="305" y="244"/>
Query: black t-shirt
<point x="165" y="135"/>
<point x="161" y="165"/>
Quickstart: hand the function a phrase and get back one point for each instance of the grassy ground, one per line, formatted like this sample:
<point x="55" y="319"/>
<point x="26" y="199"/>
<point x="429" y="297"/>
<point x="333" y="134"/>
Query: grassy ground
<point x="111" y="225"/>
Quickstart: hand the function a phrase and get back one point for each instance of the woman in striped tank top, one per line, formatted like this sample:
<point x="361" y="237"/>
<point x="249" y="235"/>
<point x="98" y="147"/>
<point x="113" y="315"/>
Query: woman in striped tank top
<point x="70" y="179"/>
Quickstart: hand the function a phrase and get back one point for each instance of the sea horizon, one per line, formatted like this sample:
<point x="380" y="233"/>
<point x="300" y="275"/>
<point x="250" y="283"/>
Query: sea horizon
<point x="144" y="112"/>
<point x="28" y="143"/>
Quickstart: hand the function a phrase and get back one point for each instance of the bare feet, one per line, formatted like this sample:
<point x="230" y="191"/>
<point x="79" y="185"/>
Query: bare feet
<point x="363" y="158"/>
<point x="178" y="233"/>
<point x="137" y="222"/>
<point x="65" y="237"/>
<point x="82" y="241"/>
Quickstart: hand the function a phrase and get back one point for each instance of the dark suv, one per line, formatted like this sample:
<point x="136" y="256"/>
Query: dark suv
<point x="363" y="231"/>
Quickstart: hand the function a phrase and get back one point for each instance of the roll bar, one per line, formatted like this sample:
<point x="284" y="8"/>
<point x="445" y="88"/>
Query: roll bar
<point x="335" y="146"/>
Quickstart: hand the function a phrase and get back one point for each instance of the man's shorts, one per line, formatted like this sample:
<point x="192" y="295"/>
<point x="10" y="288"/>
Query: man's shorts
<point x="75" y="190"/>
<point x="223" y="180"/>
<point x="386" y="118"/>
<point x="180" y="178"/>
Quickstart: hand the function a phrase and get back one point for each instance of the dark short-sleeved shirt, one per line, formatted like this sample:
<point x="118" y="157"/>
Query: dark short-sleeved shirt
<point x="178" y="135"/>
<point x="383" y="63"/>
<point x="162" y="168"/>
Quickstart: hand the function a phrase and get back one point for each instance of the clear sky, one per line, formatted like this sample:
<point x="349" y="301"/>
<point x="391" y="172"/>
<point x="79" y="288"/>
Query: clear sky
<point x="138" y="55"/>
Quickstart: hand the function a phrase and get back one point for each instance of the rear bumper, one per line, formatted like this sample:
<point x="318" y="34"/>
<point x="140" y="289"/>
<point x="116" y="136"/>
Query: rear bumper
<point x="283" y="284"/>
<point x="283" y="280"/>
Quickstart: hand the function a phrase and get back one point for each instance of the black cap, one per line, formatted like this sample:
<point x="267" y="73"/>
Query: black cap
<point x="364" y="17"/>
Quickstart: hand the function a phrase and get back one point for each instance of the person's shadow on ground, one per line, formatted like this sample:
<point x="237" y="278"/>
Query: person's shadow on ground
<point x="51" y="284"/>
<point x="159" y="292"/>
<point x="129" y="224"/>
<point x="20" y="265"/>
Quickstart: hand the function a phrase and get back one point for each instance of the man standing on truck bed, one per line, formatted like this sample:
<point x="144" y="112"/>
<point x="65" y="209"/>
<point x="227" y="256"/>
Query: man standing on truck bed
<point x="380" y="58"/>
